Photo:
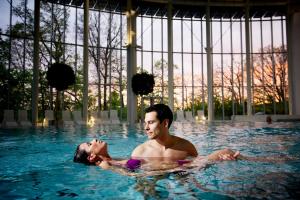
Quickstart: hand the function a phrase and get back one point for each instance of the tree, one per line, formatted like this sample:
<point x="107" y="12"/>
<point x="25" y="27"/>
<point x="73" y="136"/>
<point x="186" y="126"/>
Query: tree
<point x="15" y="78"/>
<point x="269" y="81"/>
<point x="160" y="72"/>
<point x="271" y="78"/>
<point x="53" y="33"/>
<point x="105" y="39"/>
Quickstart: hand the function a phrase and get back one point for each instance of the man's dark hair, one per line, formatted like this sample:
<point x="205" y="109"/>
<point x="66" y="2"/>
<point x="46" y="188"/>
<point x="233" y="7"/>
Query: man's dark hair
<point x="163" y="112"/>
<point x="81" y="156"/>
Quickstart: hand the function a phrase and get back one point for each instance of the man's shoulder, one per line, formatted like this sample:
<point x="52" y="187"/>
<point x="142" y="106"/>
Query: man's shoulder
<point x="146" y="143"/>
<point x="182" y="141"/>
<point x="187" y="145"/>
<point x="140" y="148"/>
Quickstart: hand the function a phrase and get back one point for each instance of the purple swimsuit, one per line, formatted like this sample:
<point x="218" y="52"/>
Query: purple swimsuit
<point x="133" y="164"/>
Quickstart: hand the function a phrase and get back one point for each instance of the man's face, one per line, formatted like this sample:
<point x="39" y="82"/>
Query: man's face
<point x="96" y="147"/>
<point x="153" y="126"/>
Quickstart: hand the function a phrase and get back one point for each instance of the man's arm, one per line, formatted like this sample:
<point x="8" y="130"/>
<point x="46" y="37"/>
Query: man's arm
<point x="188" y="147"/>
<point x="192" y="150"/>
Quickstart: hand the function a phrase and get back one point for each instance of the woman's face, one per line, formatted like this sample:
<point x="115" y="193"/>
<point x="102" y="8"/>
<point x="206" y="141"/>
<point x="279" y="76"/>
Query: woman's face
<point x="95" y="146"/>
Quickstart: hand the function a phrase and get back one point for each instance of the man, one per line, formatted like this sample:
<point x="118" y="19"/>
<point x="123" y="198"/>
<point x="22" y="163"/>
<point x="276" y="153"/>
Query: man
<point x="161" y="143"/>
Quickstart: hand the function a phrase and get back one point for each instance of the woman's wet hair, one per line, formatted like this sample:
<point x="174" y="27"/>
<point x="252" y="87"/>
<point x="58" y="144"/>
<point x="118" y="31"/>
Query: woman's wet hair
<point x="81" y="156"/>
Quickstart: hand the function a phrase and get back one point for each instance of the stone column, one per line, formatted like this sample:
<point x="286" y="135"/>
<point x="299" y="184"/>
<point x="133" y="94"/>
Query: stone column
<point x="209" y="66"/>
<point x="170" y="58"/>
<point x="85" y="60"/>
<point x="248" y="63"/>
<point x="293" y="44"/>
<point x="36" y="63"/>
<point x="131" y="63"/>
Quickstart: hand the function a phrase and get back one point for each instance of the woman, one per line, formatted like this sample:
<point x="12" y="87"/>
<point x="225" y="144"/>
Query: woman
<point x="96" y="153"/>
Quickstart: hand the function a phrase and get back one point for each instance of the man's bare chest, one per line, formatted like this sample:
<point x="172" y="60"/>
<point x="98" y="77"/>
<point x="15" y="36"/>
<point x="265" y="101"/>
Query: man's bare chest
<point x="166" y="153"/>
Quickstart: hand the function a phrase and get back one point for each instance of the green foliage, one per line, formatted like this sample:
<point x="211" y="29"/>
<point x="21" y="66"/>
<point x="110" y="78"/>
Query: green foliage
<point x="123" y="113"/>
<point x="4" y="51"/>
<point x="15" y="88"/>
<point x="115" y="100"/>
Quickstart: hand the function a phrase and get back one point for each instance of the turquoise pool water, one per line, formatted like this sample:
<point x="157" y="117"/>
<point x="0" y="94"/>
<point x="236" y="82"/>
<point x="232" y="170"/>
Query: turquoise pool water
<point x="37" y="164"/>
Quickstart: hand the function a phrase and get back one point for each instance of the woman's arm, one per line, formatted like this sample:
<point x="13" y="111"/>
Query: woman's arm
<point x="224" y="154"/>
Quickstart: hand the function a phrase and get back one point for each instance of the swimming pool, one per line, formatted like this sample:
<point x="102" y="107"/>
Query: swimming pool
<point x="37" y="164"/>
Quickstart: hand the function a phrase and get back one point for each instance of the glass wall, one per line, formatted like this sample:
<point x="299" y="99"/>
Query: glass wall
<point x="62" y="41"/>
<point x="268" y="63"/>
